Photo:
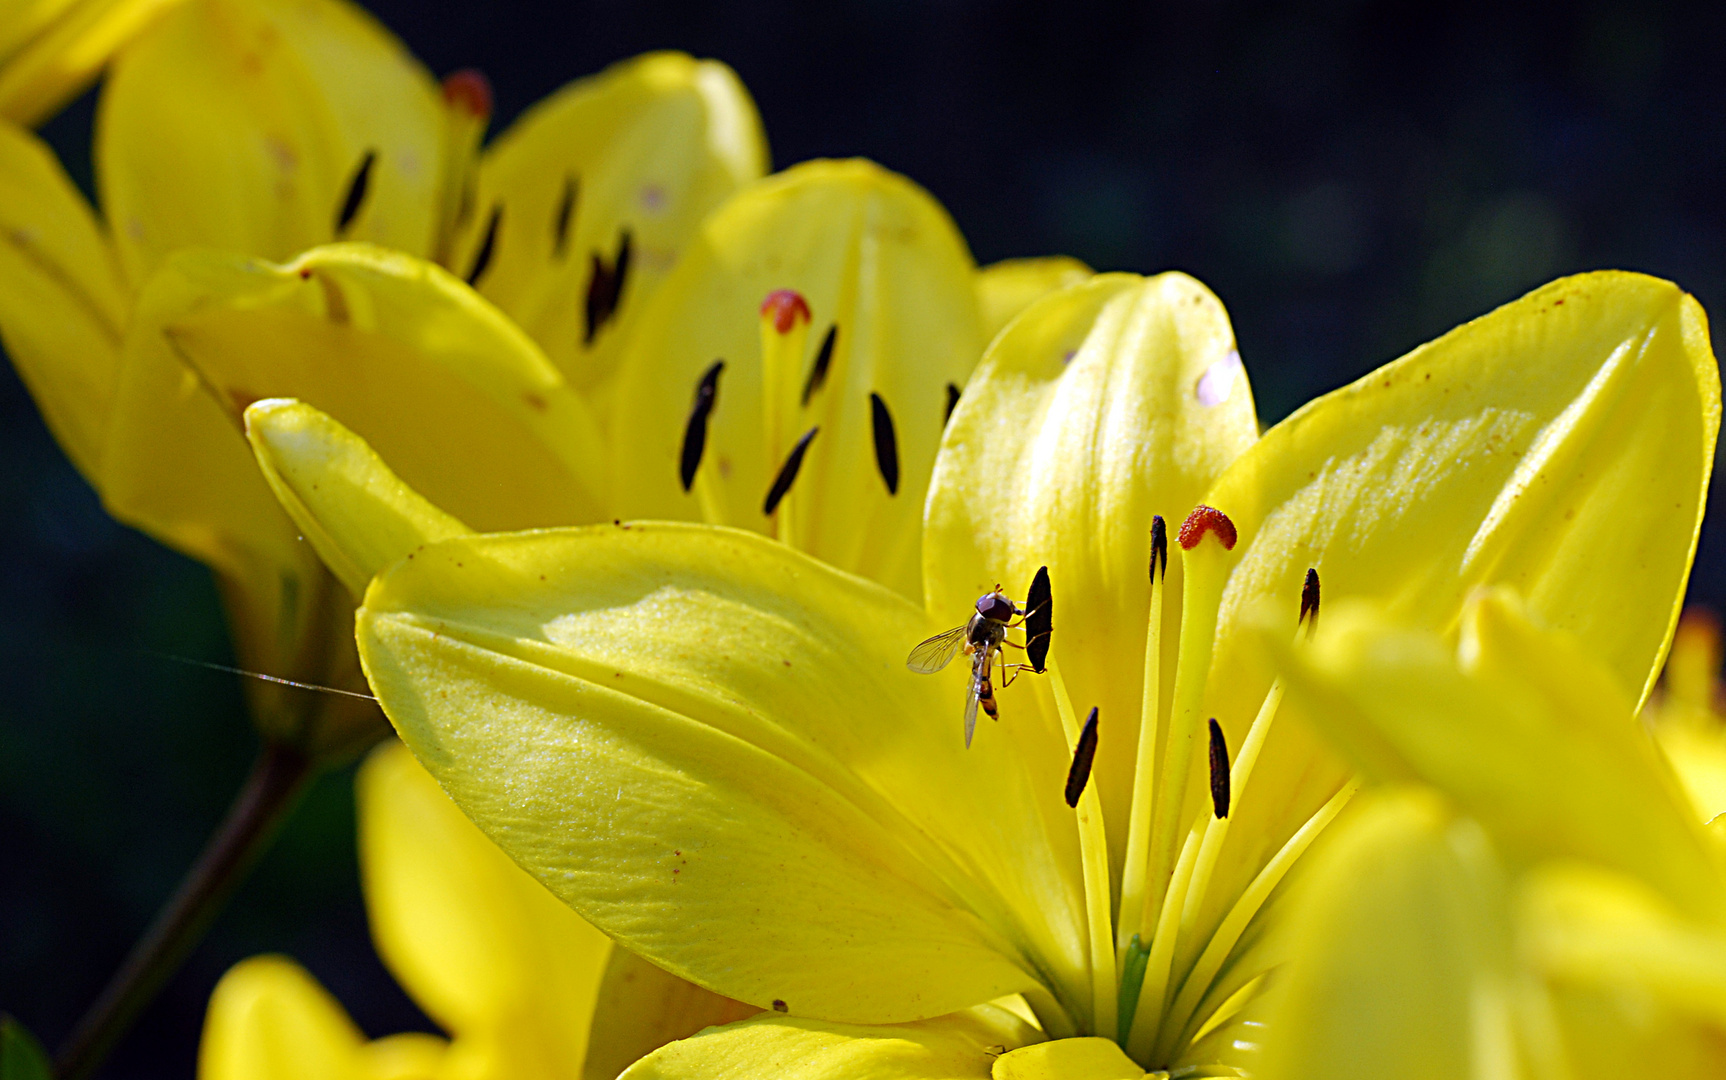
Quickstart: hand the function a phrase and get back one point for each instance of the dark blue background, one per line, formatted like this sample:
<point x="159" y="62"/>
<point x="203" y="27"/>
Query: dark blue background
<point x="1352" y="181"/>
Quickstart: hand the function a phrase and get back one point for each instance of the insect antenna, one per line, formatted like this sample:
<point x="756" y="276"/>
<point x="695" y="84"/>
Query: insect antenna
<point x="258" y="675"/>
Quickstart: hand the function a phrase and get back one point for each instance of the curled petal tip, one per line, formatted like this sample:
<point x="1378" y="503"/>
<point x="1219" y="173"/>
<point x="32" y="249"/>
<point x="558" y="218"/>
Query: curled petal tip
<point x="470" y="90"/>
<point x="785" y="307"/>
<point x="1205" y="519"/>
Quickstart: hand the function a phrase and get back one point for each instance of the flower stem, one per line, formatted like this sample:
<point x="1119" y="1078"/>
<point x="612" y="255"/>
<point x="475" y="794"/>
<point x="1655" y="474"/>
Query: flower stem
<point x="277" y="780"/>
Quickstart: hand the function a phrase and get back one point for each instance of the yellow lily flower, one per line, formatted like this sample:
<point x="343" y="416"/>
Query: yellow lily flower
<point x="1533" y="895"/>
<point x="51" y="50"/>
<point x="524" y="987"/>
<point x="587" y="202"/>
<point x="871" y="323"/>
<point x="676" y="726"/>
<point x="264" y="128"/>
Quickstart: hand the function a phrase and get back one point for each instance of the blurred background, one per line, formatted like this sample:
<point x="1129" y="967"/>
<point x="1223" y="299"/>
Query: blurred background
<point x="1352" y="180"/>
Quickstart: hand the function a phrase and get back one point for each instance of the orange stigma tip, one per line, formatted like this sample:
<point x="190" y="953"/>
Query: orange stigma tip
<point x="785" y="306"/>
<point x="470" y="90"/>
<point x="1206" y="519"/>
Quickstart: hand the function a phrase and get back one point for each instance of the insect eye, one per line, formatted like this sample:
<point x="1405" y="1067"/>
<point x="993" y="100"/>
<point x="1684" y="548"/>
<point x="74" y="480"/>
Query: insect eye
<point x="995" y="606"/>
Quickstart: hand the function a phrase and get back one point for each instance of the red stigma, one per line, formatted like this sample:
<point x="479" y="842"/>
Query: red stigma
<point x="1206" y="519"/>
<point x="470" y="90"/>
<point x="785" y="305"/>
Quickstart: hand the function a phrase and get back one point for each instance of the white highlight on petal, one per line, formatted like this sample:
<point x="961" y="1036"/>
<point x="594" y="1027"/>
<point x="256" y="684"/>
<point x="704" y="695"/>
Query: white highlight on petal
<point x="1218" y="381"/>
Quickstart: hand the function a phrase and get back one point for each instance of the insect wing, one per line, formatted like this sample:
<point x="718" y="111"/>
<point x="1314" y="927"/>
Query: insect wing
<point x="937" y="652"/>
<point x="970" y="713"/>
<point x="980" y="665"/>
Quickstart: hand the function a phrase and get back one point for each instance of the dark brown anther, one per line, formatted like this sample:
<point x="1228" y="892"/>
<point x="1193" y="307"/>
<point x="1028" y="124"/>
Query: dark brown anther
<point x="356" y="195"/>
<point x="482" y="258"/>
<point x="695" y="434"/>
<point x="823" y="360"/>
<point x="1159" y="548"/>
<point x="1206" y="519"/>
<point x="560" y="220"/>
<point x="886" y="445"/>
<point x="1309" y="601"/>
<point x="605" y="287"/>
<point x="787" y="472"/>
<point x="1219" y="771"/>
<point x="1039" y="620"/>
<point x="1083" y="754"/>
<point x="952" y="403"/>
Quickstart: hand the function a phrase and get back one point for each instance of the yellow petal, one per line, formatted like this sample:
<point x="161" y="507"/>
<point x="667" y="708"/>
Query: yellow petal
<point x="658" y="719"/>
<point x="50" y="50"/>
<point x="1606" y="932"/>
<point x="412" y="1055"/>
<point x="1010" y="286"/>
<point x="1698" y="756"/>
<point x="440" y="383"/>
<point x="1089" y="1058"/>
<point x="246" y="126"/>
<point x="641" y="1008"/>
<point x="355" y="513"/>
<point x="1528" y="734"/>
<point x="270" y="1020"/>
<point x="480" y="945"/>
<point x="1561" y="444"/>
<point x="1693" y="666"/>
<point x="62" y="304"/>
<point x="1402" y="954"/>
<point x="1102" y="405"/>
<point x="879" y="263"/>
<point x="646" y="149"/>
<point x="958" y="1047"/>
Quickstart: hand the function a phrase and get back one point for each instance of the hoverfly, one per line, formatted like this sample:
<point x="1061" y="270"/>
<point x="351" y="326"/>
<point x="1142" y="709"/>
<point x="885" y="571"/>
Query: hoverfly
<point x="982" y="638"/>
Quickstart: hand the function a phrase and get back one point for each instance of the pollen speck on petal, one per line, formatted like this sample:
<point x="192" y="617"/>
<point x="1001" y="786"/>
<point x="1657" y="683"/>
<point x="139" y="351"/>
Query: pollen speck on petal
<point x="1218" y="382"/>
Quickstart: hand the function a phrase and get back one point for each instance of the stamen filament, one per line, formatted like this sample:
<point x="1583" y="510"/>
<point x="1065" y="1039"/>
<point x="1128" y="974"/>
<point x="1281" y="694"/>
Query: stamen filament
<point x="707" y="494"/>
<point x="1156" y="984"/>
<point x="1133" y="960"/>
<point x="1186" y="1010"/>
<point x="1055" y="1021"/>
<point x="1217" y="829"/>
<point x="1144" y="770"/>
<point x="1094" y="855"/>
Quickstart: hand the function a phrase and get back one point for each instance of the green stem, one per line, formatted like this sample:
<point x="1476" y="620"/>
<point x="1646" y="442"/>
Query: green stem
<point x="277" y="780"/>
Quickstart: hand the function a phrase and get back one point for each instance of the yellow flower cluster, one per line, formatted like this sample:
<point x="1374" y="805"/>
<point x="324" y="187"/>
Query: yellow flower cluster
<point x="646" y="470"/>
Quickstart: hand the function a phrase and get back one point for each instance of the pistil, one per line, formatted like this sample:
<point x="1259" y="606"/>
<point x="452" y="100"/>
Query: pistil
<point x="784" y="332"/>
<point x="1206" y="538"/>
